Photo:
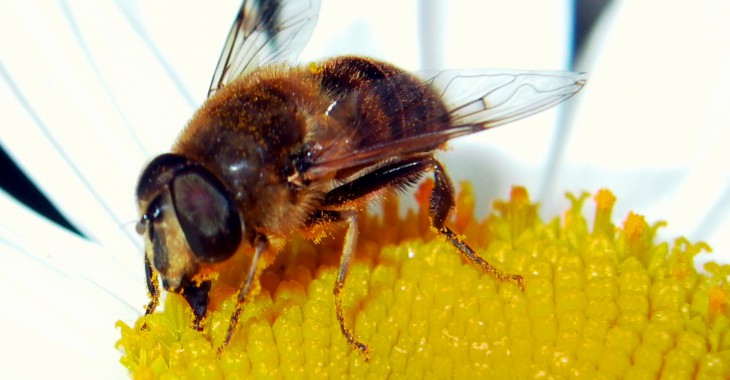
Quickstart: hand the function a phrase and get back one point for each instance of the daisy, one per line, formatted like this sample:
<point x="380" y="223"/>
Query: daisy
<point x="90" y="92"/>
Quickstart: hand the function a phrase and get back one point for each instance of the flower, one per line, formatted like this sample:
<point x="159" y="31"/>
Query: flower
<point x="90" y="91"/>
<point x="603" y="299"/>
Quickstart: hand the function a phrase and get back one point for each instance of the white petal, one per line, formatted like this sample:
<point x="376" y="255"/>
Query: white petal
<point x="62" y="298"/>
<point x="86" y="103"/>
<point x="653" y="120"/>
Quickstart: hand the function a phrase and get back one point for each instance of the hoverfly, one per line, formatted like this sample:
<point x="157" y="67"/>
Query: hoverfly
<point x="279" y="149"/>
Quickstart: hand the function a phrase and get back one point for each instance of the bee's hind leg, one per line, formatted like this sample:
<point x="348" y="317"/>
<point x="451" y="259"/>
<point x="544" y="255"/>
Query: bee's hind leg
<point x="441" y="204"/>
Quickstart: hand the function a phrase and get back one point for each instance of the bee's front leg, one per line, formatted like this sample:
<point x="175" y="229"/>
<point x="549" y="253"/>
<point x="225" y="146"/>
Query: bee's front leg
<point x="152" y="287"/>
<point x="261" y="245"/>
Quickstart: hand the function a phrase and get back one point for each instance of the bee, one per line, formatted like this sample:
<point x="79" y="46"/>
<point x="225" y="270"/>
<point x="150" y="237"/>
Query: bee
<point x="278" y="149"/>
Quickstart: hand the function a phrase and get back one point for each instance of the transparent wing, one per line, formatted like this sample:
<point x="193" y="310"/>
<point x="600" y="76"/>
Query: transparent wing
<point x="264" y="31"/>
<point x="490" y="98"/>
<point x="475" y="100"/>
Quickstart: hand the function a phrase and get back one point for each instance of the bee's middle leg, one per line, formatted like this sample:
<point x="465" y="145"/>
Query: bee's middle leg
<point x="391" y="176"/>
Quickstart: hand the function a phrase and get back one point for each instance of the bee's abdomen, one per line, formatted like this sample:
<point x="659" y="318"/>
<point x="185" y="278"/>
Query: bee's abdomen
<point x="381" y="102"/>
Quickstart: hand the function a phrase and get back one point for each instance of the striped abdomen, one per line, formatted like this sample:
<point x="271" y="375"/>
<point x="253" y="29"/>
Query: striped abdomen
<point x="381" y="102"/>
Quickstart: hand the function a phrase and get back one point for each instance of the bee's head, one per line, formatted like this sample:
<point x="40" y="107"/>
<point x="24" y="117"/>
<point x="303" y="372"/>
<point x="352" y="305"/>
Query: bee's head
<point x="187" y="219"/>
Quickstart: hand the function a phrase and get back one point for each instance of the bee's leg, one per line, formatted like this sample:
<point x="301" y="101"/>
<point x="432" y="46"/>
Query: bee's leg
<point x="197" y="296"/>
<point x="348" y="251"/>
<point x="441" y="204"/>
<point x="392" y="176"/>
<point x="261" y="246"/>
<point x="152" y="287"/>
<point x="397" y="175"/>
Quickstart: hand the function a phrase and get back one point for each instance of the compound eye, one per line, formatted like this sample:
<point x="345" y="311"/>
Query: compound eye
<point x="206" y="214"/>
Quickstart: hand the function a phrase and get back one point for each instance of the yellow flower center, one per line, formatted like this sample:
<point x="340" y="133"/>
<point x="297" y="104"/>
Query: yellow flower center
<point x="605" y="302"/>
